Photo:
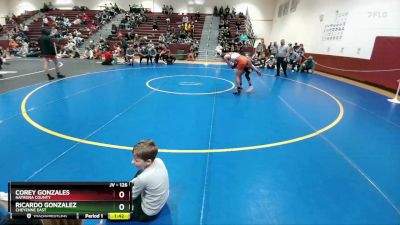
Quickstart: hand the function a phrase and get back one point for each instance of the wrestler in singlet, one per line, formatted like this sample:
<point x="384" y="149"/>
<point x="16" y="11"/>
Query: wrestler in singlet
<point x="240" y="61"/>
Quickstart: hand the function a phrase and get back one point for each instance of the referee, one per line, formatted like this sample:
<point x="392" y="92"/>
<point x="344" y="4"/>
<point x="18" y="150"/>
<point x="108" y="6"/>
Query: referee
<point x="48" y="53"/>
<point x="283" y="53"/>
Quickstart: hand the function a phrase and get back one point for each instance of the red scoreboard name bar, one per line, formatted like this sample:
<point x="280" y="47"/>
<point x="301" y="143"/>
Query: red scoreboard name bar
<point x="87" y="200"/>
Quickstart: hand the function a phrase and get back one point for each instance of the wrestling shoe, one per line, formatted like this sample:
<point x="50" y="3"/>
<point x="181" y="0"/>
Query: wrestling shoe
<point x="249" y="89"/>
<point x="238" y="91"/>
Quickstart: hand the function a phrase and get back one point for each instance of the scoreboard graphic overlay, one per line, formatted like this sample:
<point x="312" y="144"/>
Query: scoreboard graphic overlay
<point x="70" y="200"/>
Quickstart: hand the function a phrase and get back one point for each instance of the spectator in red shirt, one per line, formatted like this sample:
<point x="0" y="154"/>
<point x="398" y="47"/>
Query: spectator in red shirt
<point x="107" y="58"/>
<point x="14" y="17"/>
<point x="85" y="19"/>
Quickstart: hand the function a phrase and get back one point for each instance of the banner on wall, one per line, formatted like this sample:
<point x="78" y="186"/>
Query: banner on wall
<point x="352" y="32"/>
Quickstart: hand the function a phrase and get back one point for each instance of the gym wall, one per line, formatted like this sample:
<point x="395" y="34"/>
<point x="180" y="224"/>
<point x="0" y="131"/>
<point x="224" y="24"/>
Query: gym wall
<point x="261" y="11"/>
<point x="345" y="37"/>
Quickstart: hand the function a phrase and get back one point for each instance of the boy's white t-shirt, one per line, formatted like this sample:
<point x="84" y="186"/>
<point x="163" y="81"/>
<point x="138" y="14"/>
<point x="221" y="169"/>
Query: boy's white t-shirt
<point x="153" y="185"/>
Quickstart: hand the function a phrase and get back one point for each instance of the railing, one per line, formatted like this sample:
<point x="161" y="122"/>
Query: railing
<point x="249" y="28"/>
<point x="396" y="97"/>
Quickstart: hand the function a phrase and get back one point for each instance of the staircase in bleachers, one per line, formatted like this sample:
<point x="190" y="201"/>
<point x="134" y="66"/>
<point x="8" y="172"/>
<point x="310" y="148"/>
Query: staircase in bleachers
<point x="209" y="40"/>
<point x="102" y="32"/>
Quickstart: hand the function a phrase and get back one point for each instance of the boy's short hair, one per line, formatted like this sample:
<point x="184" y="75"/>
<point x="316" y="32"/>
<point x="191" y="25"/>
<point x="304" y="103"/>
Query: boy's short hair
<point x="146" y="149"/>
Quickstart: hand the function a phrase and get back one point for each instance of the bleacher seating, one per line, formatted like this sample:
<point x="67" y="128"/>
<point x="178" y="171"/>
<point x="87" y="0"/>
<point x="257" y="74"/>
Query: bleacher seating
<point x="232" y="27"/>
<point x="147" y="27"/>
<point x="20" y="19"/>
<point x="36" y="27"/>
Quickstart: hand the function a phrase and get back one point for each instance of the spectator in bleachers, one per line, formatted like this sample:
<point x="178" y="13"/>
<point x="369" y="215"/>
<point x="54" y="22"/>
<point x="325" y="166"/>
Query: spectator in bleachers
<point x="69" y="50"/>
<point x="23" y="50"/>
<point x="169" y="30"/>
<point x="143" y="53"/>
<point x="168" y="39"/>
<point x="66" y="23"/>
<point x="152" y="52"/>
<point x="129" y="36"/>
<point x="45" y="21"/>
<point x="187" y="28"/>
<point x="127" y="16"/>
<point x="191" y="32"/>
<point x="218" y="50"/>
<point x="301" y="52"/>
<point x="143" y="40"/>
<point x="155" y="25"/>
<point x="257" y="62"/>
<point x="77" y="36"/>
<point x="97" y="53"/>
<point x="88" y="54"/>
<point x="13" y="46"/>
<point x="296" y="47"/>
<point x="308" y="65"/>
<point x="7" y="19"/>
<point x="221" y="11"/>
<point x="14" y="18"/>
<point x="171" y="10"/>
<point x="193" y="51"/>
<point x="117" y="51"/>
<point x="92" y="27"/>
<point x="271" y="62"/>
<point x="269" y="48"/>
<point x="163" y="51"/>
<point x="233" y="13"/>
<point x="34" y="50"/>
<point x="150" y="44"/>
<point x="116" y="8"/>
<point x="130" y="54"/>
<point x="293" y="60"/>
<point x="185" y="19"/>
<point x="120" y="36"/>
<point x="244" y="39"/>
<point x="158" y="50"/>
<point x="92" y="45"/>
<point x="161" y="38"/>
<point x="238" y="24"/>
<point x="259" y="49"/>
<point x="45" y="8"/>
<point x="124" y="46"/>
<point x="227" y="12"/>
<point x="114" y="29"/>
<point x="2" y="52"/>
<point x="164" y="9"/>
<point x="290" y="47"/>
<point x="197" y="16"/>
<point x="77" y="21"/>
<point x="107" y="57"/>
<point x="264" y="48"/>
<point x="274" y="49"/>
<point x="136" y="38"/>
<point x="169" y="59"/>
<point x="25" y="29"/>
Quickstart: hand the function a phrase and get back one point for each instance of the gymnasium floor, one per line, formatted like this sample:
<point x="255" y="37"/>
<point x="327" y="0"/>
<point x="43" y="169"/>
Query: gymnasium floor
<point x="302" y="150"/>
